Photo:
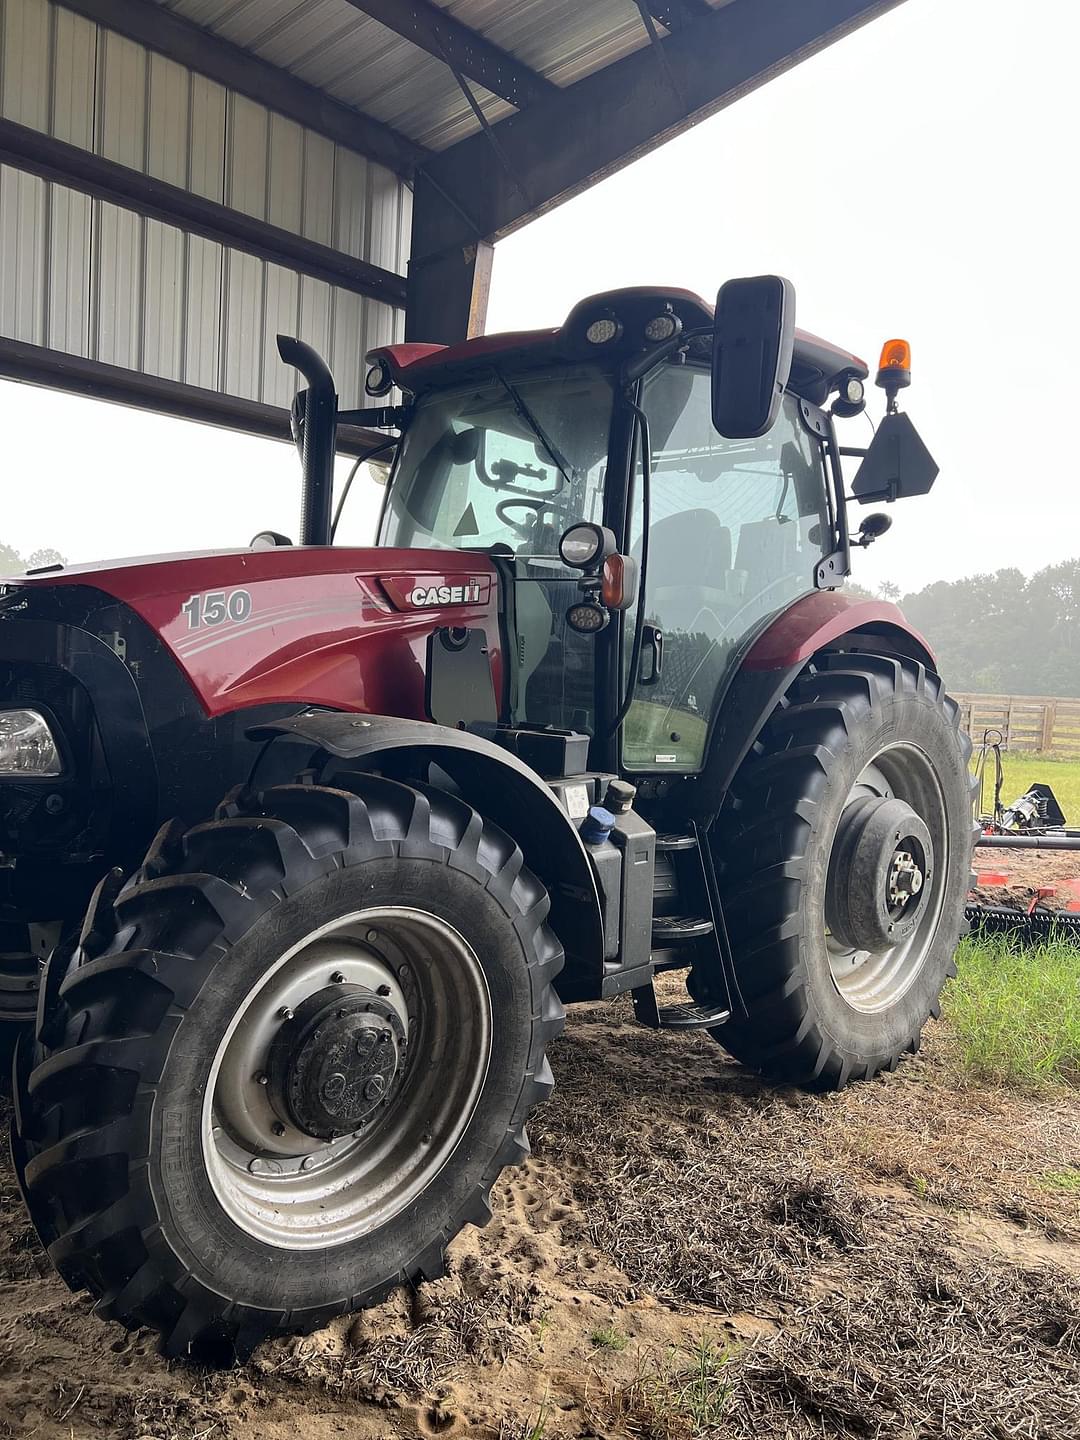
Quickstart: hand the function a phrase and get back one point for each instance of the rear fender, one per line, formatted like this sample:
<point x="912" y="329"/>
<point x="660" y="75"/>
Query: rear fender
<point x="502" y="787"/>
<point x="827" y="620"/>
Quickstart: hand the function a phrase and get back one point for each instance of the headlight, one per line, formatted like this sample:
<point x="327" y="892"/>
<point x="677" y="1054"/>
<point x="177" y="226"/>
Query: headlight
<point x="586" y="544"/>
<point x="27" y="745"/>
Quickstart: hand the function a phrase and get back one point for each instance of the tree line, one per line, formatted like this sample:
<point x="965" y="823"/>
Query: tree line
<point x="12" y="563"/>
<point x="1003" y="633"/>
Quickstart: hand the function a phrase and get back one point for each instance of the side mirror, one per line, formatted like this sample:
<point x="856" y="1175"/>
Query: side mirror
<point x="753" y="341"/>
<point x="896" y="465"/>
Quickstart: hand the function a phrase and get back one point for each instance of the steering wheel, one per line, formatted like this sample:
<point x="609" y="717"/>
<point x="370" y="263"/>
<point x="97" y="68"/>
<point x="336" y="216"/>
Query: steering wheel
<point x="536" y="506"/>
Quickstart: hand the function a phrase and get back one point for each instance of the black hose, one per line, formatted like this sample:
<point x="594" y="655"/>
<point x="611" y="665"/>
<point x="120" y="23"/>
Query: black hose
<point x="367" y="455"/>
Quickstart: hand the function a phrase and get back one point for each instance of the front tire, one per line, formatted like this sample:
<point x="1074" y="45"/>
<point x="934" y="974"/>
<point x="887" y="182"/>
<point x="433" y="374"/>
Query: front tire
<point x="295" y="1065"/>
<point x="843" y="853"/>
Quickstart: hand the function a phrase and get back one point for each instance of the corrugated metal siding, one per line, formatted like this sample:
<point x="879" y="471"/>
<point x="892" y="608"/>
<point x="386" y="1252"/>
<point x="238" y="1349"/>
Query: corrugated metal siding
<point x="91" y="279"/>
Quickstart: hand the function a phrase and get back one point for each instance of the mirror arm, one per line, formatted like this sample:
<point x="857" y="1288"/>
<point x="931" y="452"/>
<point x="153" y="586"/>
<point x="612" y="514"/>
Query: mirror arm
<point x="835" y="566"/>
<point x="638" y="367"/>
<point x="854" y="450"/>
<point x="381" y="416"/>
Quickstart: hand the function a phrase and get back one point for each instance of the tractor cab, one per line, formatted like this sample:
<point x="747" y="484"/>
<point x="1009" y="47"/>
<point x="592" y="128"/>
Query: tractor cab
<point x="698" y="506"/>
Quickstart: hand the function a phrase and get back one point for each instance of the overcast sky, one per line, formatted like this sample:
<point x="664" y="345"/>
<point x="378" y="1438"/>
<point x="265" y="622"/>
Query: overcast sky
<point x="917" y="179"/>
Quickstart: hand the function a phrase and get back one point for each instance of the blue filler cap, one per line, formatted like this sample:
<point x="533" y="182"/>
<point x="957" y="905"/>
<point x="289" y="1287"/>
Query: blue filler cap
<point x="597" y="825"/>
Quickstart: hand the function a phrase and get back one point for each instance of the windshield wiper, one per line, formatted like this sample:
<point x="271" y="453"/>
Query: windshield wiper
<point x="524" y="413"/>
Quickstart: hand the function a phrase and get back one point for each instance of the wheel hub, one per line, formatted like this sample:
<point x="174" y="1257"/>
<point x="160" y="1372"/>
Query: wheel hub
<point x="882" y="859"/>
<point x="905" y="879"/>
<point x="337" y="1060"/>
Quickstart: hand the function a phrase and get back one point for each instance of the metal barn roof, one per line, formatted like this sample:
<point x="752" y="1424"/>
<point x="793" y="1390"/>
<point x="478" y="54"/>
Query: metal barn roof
<point x="181" y="179"/>
<point x="336" y="47"/>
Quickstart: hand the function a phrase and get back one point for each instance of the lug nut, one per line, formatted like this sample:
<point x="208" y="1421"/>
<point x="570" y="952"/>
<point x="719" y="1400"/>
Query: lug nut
<point x="384" y="1036"/>
<point x="308" y="1163"/>
<point x="337" y="978"/>
<point x="261" y="1078"/>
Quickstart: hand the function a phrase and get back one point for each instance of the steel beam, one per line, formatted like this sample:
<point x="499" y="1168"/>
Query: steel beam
<point x="568" y="141"/>
<point x="674" y="13"/>
<point x="433" y="30"/>
<point x="448" y="295"/>
<point x="92" y="378"/>
<point x="159" y="29"/>
<point x="70" y="165"/>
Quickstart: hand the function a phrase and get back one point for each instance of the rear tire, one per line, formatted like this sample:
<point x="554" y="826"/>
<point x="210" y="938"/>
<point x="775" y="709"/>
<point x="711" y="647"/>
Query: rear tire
<point x="139" y="1132"/>
<point x="854" y="731"/>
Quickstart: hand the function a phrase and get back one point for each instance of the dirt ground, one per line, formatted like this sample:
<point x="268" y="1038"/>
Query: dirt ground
<point x="1028" y="871"/>
<point x="687" y="1252"/>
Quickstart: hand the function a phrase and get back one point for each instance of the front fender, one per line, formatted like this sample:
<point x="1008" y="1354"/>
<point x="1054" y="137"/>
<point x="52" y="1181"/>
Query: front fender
<point x="499" y="785"/>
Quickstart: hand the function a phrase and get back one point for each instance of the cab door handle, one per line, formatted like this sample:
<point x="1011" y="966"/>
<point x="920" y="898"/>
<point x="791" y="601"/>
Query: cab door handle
<point x="652" y="655"/>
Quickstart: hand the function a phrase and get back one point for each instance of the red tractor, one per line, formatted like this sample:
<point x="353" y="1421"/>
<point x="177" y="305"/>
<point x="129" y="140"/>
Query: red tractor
<point x="305" y="848"/>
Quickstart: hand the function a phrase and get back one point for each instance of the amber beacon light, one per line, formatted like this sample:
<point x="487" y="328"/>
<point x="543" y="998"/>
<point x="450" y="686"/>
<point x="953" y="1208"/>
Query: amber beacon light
<point x="894" y="369"/>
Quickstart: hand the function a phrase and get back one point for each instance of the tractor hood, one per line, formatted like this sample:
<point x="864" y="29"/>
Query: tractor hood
<point x="342" y="628"/>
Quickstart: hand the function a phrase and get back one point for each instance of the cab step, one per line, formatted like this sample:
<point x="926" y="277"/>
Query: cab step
<point x="679" y="929"/>
<point x="688" y="1016"/>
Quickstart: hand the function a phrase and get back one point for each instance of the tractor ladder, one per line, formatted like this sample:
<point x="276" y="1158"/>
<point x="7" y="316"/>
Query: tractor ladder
<point x="688" y="934"/>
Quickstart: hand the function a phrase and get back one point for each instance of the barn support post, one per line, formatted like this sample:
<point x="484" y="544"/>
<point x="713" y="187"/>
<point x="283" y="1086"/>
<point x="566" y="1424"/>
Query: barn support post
<point x="448" y="286"/>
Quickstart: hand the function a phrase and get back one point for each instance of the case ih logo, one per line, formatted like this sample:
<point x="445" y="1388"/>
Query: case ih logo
<point x="445" y="594"/>
<point x="428" y="592"/>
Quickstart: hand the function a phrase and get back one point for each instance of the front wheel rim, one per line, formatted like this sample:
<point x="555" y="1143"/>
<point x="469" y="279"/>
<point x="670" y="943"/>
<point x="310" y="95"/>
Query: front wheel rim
<point x="295" y="1190"/>
<point x="874" y="980"/>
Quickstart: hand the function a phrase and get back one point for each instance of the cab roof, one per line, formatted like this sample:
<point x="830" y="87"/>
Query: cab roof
<point x="818" y="367"/>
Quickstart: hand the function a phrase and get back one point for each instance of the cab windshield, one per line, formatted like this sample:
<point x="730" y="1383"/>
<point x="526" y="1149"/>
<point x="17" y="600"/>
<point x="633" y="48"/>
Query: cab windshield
<point x="505" y="465"/>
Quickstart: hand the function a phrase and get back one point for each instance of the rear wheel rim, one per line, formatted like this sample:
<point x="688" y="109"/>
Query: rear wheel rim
<point x="295" y="1191"/>
<point x="874" y="980"/>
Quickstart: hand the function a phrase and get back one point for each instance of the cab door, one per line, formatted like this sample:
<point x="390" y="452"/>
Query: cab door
<point x="736" y="531"/>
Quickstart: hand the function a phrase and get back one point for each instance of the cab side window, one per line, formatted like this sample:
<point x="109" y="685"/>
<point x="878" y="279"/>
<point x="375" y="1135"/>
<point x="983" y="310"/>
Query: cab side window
<point x="737" y="529"/>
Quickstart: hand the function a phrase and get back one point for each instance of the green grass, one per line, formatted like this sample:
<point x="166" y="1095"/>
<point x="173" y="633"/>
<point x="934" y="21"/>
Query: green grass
<point x="1067" y="1180"/>
<point x="1016" y="1012"/>
<point x="699" y="1388"/>
<point x="1021" y="769"/>
<point x="607" y="1337"/>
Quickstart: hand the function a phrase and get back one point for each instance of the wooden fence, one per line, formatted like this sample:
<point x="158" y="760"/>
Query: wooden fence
<point x="1046" y="723"/>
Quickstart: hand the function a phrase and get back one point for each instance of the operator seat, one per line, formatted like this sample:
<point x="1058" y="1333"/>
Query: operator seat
<point x="766" y="557"/>
<point x="689" y="563"/>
